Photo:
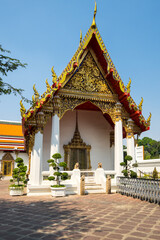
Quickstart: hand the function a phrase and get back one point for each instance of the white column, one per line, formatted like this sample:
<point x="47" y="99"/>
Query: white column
<point x="130" y="140"/>
<point x="36" y="161"/>
<point x="54" y="138"/>
<point x="55" y="135"/>
<point x="118" y="147"/>
<point x="131" y="147"/>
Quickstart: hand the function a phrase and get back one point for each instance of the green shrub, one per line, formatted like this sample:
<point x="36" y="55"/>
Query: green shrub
<point x="125" y="173"/>
<point x="155" y="174"/>
<point x="128" y="158"/>
<point x="55" y="164"/>
<point x="127" y="166"/>
<point x="19" y="174"/>
<point x="133" y="174"/>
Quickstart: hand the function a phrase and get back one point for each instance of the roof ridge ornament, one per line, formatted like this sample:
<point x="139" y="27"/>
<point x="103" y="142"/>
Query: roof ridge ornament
<point x="36" y="94"/>
<point x="22" y="109"/>
<point x="80" y="37"/>
<point x="48" y="86"/>
<point x="128" y="87"/>
<point x="140" y="104"/>
<point x="149" y="118"/>
<point x="54" y="76"/>
<point x="95" y="11"/>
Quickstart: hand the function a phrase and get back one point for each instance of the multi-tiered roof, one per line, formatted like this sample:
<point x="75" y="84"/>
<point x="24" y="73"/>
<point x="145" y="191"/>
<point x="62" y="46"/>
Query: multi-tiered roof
<point x="92" y="40"/>
<point x="11" y="136"/>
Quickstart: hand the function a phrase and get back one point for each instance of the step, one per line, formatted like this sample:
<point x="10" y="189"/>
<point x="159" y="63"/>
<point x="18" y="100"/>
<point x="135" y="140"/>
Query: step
<point x="93" y="187"/>
<point x="92" y="184"/>
<point x="88" y="191"/>
<point x="89" y="180"/>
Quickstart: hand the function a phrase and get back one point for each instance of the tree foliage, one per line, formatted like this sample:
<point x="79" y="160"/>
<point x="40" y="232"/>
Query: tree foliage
<point x="126" y="164"/>
<point x="8" y="64"/>
<point x="19" y="173"/>
<point x="58" y="175"/>
<point x="151" y="147"/>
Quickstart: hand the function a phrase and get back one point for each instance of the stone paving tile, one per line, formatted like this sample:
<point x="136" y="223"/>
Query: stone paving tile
<point x="157" y="237"/>
<point x="90" y="237"/>
<point x="89" y="217"/>
<point x="132" y="238"/>
<point x="139" y="234"/>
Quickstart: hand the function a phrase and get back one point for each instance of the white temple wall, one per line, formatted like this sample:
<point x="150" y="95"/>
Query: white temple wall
<point x="94" y="130"/>
<point x="148" y="165"/>
<point x="46" y="145"/>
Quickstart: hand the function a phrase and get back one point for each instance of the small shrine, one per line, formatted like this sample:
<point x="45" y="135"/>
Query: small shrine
<point x="11" y="146"/>
<point x="84" y="114"/>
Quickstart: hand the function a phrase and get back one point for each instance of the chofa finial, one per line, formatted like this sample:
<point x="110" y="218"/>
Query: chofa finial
<point x="36" y="94"/>
<point x="128" y="87"/>
<point x="149" y="118"/>
<point x="140" y="104"/>
<point x="80" y="37"/>
<point x="95" y="11"/>
<point x="22" y="109"/>
<point x="54" y="76"/>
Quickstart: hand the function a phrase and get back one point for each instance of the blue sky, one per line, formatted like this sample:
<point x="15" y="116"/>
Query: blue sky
<point x="45" y="33"/>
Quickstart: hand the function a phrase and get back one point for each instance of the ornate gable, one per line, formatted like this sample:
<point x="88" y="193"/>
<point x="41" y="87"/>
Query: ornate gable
<point x="88" y="78"/>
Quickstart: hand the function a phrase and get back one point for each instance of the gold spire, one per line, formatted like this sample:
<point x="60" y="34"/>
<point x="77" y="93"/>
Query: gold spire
<point x="128" y="86"/>
<point x="95" y="11"/>
<point x="140" y="104"/>
<point x="80" y="37"/>
<point x="22" y="109"/>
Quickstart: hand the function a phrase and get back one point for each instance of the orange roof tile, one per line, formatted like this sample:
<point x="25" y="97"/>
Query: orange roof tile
<point x="11" y="136"/>
<point x="11" y="129"/>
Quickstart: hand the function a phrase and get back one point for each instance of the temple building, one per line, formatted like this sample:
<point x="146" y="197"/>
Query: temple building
<point x="11" y="146"/>
<point x="84" y="114"/>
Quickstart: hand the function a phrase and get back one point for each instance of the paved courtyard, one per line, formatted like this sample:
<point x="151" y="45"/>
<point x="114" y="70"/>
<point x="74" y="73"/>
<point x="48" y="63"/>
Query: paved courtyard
<point x="89" y="217"/>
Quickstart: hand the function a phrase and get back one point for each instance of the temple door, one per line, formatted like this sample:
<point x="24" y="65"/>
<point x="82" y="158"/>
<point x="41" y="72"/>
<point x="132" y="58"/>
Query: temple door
<point x="7" y="164"/>
<point x="7" y="168"/>
<point x="78" y="155"/>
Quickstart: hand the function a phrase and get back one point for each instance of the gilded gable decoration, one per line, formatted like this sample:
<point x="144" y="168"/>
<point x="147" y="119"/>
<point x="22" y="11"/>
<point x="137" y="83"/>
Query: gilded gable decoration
<point x="7" y="156"/>
<point x="88" y="78"/>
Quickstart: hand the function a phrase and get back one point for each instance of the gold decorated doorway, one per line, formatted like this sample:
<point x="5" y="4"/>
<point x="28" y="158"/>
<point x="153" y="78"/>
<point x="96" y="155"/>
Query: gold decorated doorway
<point x="77" y="151"/>
<point x="7" y="168"/>
<point x="7" y="164"/>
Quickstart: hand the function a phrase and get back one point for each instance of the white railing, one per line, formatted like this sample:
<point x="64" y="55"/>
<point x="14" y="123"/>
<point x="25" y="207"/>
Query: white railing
<point x="100" y="178"/>
<point x="88" y="173"/>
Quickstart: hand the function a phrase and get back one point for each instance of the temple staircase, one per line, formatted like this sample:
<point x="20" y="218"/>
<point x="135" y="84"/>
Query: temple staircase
<point x="92" y="187"/>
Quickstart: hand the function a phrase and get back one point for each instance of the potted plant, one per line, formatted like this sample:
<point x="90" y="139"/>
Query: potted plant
<point x="57" y="190"/>
<point x="19" y="178"/>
